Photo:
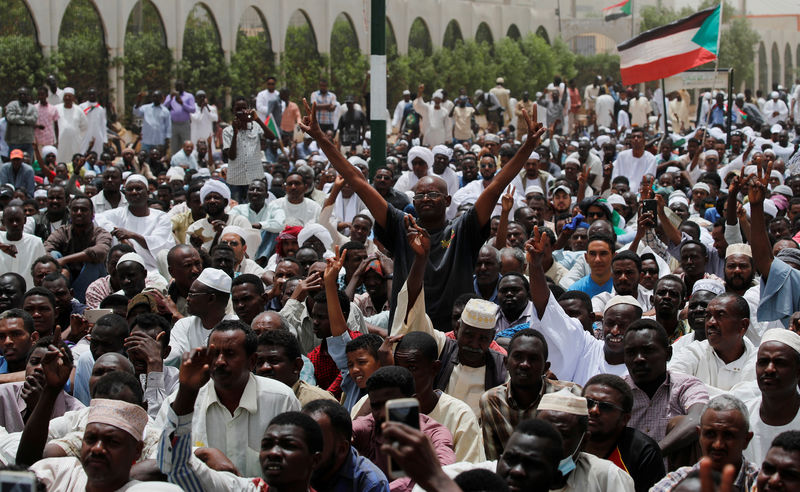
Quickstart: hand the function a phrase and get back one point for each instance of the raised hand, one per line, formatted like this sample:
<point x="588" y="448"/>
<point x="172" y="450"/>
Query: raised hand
<point x="56" y="367"/>
<point x="535" y="129"/>
<point x="146" y="349"/>
<point x="195" y="370"/>
<point x="507" y="200"/>
<point x="583" y="177"/>
<point x="757" y="190"/>
<point x="418" y="238"/>
<point x="735" y="187"/>
<point x="309" y="123"/>
<point x="334" y="266"/>
<point x="535" y="247"/>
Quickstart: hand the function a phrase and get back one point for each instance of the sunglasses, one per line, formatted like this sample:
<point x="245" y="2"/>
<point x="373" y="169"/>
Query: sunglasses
<point x="604" y="406"/>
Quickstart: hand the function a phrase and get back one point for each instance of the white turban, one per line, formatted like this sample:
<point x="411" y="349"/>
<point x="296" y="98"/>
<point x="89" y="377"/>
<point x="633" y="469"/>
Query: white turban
<point x="423" y="153"/>
<point x="534" y="156"/>
<point x="444" y="150"/>
<point x="438" y="94"/>
<point x="69" y="90"/>
<point x="711" y="153"/>
<point x="47" y="150"/>
<point x="317" y="231"/>
<point x="777" y="174"/>
<point x="136" y="177"/>
<point x="776" y="128"/>
<point x="774" y="95"/>
<point x="784" y="336"/>
<point x="214" y="186"/>
<point x="673" y="200"/>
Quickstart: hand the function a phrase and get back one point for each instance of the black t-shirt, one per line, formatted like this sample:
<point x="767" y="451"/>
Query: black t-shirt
<point x="641" y="458"/>
<point x="454" y="251"/>
<point x="350" y="125"/>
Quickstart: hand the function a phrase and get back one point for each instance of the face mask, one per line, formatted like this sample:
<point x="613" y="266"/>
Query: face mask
<point x="567" y="465"/>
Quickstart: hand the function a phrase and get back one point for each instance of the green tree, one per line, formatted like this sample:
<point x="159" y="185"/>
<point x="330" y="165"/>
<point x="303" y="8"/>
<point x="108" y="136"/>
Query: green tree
<point x="251" y="64"/>
<point x="21" y="60"/>
<point x="301" y="65"/>
<point x="599" y="64"/>
<point x="148" y="65"/>
<point x="348" y="65"/>
<point x="420" y="38"/>
<point x="203" y="65"/>
<point x="82" y="57"/>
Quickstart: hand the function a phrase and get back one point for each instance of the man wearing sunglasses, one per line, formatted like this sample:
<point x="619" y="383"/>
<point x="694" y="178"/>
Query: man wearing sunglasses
<point x="610" y="401"/>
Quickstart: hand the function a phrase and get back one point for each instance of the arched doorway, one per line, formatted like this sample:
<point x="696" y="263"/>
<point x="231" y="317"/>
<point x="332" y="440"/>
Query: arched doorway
<point x="302" y="66"/>
<point x="542" y="33"/>
<point x="419" y="37"/>
<point x="484" y="34"/>
<point x="147" y="61"/>
<point x="776" y="67"/>
<point x="82" y="57"/>
<point x="348" y="65"/>
<point x="452" y="34"/>
<point x="763" y="72"/>
<point x="513" y="32"/>
<point x="788" y="69"/>
<point x="20" y="55"/>
<point x="253" y="43"/>
<point x="202" y="64"/>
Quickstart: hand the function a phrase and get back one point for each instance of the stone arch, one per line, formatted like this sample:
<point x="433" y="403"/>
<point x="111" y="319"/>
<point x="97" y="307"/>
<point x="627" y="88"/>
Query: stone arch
<point x="391" y="38"/>
<point x="252" y="23"/>
<point x="775" y="78"/>
<point x="345" y="31"/>
<point x="419" y="37"/>
<point x="763" y="70"/>
<point x="301" y="20"/>
<point x="788" y="68"/>
<point x="83" y="50"/>
<point x="147" y="60"/>
<point x="253" y="42"/>
<point x="302" y="65"/>
<point x="513" y="32"/>
<point x="347" y="65"/>
<point x="18" y="31"/>
<point x="484" y="34"/>
<point x="202" y="64"/>
<point x="18" y="20"/>
<point x="452" y="34"/>
<point x="542" y="33"/>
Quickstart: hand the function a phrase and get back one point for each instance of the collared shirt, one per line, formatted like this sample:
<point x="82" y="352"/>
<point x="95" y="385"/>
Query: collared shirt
<point x="48" y="114"/>
<point x="20" y="179"/>
<point x="324" y="117"/>
<point x="13" y="406"/>
<point x="462" y="423"/>
<point x="493" y="297"/>
<point x="247" y="167"/>
<point x="180" y="112"/>
<point x="500" y="413"/>
<point x="503" y="322"/>
<point x="156" y="123"/>
<point x="699" y="359"/>
<point x="745" y="479"/>
<point x="674" y="397"/>
<point x="180" y="159"/>
<point x="307" y="393"/>
<point x="238" y="435"/>
<point x="364" y="303"/>
<point x="188" y="333"/>
<point x="157" y="386"/>
<point x="593" y="474"/>
<point x="101" y="204"/>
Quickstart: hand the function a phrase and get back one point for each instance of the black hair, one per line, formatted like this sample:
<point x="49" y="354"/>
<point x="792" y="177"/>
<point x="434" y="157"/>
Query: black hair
<point x="370" y="342"/>
<point x="711" y="177"/>
<point x="114" y="300"/>
<point x="599" y="236"/>
<point x="365" y="217"/>
<point x="41" y="291"/>
<point x="518" y="275"/>
<point x="250" y="339"/>
<point x="648" y="256"/>
<point x="112" y="384"/>
<point x="249" y="278"/>
<point x="529" y="332"/>
<point x="628" y="255"/>
<point x="672" y="278"/>
<point x="284" y="339"/>
<point x="55" y="277"/>
<point x="616" y="383"/>
<point x="116" y="323"/>
<point x="150" y="320"/>
<point x="695" y="227"/>
<point x="463" y="299"/>
<point x="480" y="480"/>
<point x="122" y="247"/>
<point x="311" y="429"/>
<point x="16" y="313"/>
<point x="648" y="324"/>
<point x="578" y="295"/>
<point x="420" y="341"/>
<point x="355" y="245"/>
<point x="542" y="428"/>
<point x="45" y="259"/>
<point x="742" y="306"/>
<point x="45" y="342"/>
<point x="344" y="301"/>
<point x="337" y="414"/>
<point x="788" y="440"/>
<point x="392" y="377"/>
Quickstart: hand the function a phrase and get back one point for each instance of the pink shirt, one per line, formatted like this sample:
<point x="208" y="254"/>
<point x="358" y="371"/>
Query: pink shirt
<point x="47" y="116"/>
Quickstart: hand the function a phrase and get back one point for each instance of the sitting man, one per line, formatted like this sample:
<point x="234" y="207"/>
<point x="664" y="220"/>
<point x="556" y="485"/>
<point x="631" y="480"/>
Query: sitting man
<point x="724" y="433"/>
<point x="147" y="346"/>
<point x="17" y="336"/>
<point x="243" y="242"/>
<point x="184" y="265"/>
<point x="108" y="335"/>
<point x="215" y="196"/>
<point x="610" y="403"/>
<point x="626" y="267"/>
<point x="781" y="464"/>
<point x="248" y="297"/>
<point x="228" y="359"/>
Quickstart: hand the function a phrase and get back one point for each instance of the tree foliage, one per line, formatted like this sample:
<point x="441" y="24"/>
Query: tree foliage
<point x="148" y="65"/>
<point x="21" y="65"/>
<point x="82" y="57"/>
<point x="203" y="65"/>
<point x="590" y="66"/>
<point x="252" y="63"/>
<point x="348" y="64"/>
<point x="301" y="65"/>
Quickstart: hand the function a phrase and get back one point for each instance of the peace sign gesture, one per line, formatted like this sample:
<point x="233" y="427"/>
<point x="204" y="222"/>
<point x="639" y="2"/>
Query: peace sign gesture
<point x="507" y="200"/>
<point x="757" y="190"/>
<point x="583" y="177"/>
<point x="334" y="266"/>
<point x="535" y="129"/>
<point x="309" y="122"/>
<point x="534" y="247"/>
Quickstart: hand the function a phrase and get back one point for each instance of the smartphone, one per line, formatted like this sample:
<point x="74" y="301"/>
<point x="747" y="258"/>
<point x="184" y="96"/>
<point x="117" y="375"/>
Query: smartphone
<point x="92" y="315"/>
<point x="405" y="410"/>
<point x="17" y="481"/>
<point x="650" y="206"/>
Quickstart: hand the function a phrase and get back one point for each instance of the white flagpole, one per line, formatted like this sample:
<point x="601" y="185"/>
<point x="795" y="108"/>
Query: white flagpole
<point x="716" y="64"/>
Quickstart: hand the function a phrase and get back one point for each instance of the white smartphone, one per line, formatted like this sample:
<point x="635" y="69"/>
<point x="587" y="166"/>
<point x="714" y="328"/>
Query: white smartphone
<point x="92" y="315"/>
<point x="405" y="410"/>
<point x="17" y="481"/>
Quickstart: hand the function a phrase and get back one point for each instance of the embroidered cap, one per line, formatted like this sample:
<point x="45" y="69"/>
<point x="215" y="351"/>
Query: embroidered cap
<point x="480" y="313"/>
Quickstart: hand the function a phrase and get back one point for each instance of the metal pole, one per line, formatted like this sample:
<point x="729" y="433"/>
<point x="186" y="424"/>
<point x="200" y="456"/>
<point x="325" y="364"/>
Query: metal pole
<point x="377" y="106"/>
<point x="632" y="15"/>
<point x="730" y="104"/>
<point x="666" y="107"/>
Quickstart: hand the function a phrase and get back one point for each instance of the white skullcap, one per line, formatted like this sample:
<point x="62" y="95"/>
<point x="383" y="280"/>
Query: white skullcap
<point x="499" y="80"/>
<point x="615" y="199"/>
<point x="40" y="193"/>
<point x="617" y="300"/>
<point x="748" y="170"/>
<point x="47" y="150"/>
<point x="134" y="257"/>
<point x="534" y="189"/>
<point x="300" y="162"/>
<point x="475" y="148"/>
<point x="317" y="231"/>
<point x="701" y="187"/>
<point x="126" y="175"/>
<point x="776" y="128"/>
<point x="318" y="158"/>
<point x="769" y="208"/>
<point x="573" y="143"/>
<point x="89" y="174"/>
<point x="69" y="90"/>
<point x="423" y="153"/>
<point x="406" y="92"/>
<point x="573" y="160"/>
<point x="204" y="171"/>
<point x="491" y="138"/>
<point x="215" y="279"/>
<point x="673" y="169"/>
<point x="251" y="237"/>
<point x="784" y="336"/>
<point x="675" y="199"/>
<point x="783" y="190"/>
<point x="459" y="147"/>
<point x="776" y="174"/>
<point x="602" y="140"/>
<point x="367" y="135"/>
<point x="214" y="186"/>
<point x="739" y="249"/>
<point x="707" y="284"/>
<point x="774" y="95"/>
<point x="534" y="156"/>
<point x="479" y="313"/>
<point x="768" y="152"/>
<point x="136" y="177"/>
<point x="711" y="153"/>
<point x="176" y="172"/>
<point x="437" y="94"/>
<point x="564" y="401"/>
<point x="443" y="150"/>
<point x="356" y="160"/>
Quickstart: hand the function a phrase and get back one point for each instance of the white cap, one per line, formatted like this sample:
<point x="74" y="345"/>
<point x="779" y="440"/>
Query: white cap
<point x="406" y="92"/>
<point x="444" y="150"/>
<point x="215" y="279"/>
<point x="784" y="336"/>
<point x="701" y="187"/>
<point x="615" y="199"/>
<point x="776" y="128"/>
<point x="617" y="300"/>
<point x="68" y="90"/>
<point x="479" y="313"/>
<point x="674" y="199"/>
<point x="572" y="160"/>
<point x="317" y="231"/>
<point x="534" y="156"/>
<point x="134" y="257"/>
<point x="774" y="95"/>
<point x="711" y="153"/>
<point x="136" y="177"/>
<point x="738" y="249"/>
<point x="673" y="169"/>
<point x="214" y="186"/>
<point x="564" y="401"/>
<point x="563" y="188"/>
<point x="707" y="284"/>
<point x="534" y="189"/>
<point x="251" y="237"/>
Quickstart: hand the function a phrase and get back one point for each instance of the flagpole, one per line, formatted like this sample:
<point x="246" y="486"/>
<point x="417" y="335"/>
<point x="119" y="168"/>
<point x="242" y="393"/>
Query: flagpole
<point x="716" y="64"/>
<point x="666" y="107"/>
<point x="632" y="18"/>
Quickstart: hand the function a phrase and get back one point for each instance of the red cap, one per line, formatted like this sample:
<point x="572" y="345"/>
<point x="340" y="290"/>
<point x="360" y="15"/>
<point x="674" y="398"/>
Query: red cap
<point x="17" y="154"/>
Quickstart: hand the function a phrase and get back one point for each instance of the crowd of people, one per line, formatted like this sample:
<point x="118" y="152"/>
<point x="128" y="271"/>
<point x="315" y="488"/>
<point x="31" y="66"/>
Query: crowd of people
<point x="578" y="295"/>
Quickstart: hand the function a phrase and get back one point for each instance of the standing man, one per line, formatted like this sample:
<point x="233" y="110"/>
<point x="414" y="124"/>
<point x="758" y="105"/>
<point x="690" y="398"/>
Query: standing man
<point x="290" y="117"/>
<point x="434" y="117"/>
<point x="203" y="119"/>
<point x="400" y="111"/>
<point x="351" y="125"/>
<point x="47" y="124"/>
<point x="96" y="118"/>
<point x="503" y="95"/>
<point x="326" y="106"/>
<point x="181" y="106"/>
<point x="268" y="102"/>
<point x="524" y="104"/>
<point x="635" y="162"/>
<point x="156" y="122"/>
<point x="241" y="144"/>
<point x="21" y="117"/>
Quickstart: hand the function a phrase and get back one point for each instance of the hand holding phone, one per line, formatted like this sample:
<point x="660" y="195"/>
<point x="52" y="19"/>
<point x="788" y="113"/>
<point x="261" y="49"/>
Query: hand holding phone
<point x="406" y="411"/>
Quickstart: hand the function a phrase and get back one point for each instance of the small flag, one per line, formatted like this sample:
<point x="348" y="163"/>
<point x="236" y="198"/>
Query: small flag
<point x="671" y="49"/>
<point x="273" y="127"/>
<point x="622" y="9"/>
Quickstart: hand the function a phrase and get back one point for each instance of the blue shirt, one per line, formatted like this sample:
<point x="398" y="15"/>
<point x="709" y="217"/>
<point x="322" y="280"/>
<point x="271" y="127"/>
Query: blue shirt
<point x="156" y="123"/>
<point x="19" y="179"/>
<point x="590" y="287"/>
<point x="780" y="294"/>
<point x="357" y="473"/>
<point x="3" y="365"/>
<point x="493" y="298"/>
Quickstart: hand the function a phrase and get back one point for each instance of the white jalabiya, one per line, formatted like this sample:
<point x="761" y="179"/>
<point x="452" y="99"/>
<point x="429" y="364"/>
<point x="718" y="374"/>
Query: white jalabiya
<point x="72" y="126"/>
<point x="29" y="247"/>
<point x="156" y="228"/>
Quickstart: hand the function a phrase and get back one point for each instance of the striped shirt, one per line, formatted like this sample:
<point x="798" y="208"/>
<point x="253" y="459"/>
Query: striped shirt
<point x="247" y="167"/>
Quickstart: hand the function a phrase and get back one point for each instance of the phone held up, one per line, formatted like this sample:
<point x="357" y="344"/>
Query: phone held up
<point x="405" y="410"/>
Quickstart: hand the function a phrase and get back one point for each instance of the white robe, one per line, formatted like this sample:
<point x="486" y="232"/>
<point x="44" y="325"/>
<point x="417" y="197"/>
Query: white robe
<point x="434" y="122"/>
<point x="29" y="247"/>
<point x="72" y="126"/>
<point x="97" y="126"/>
<point x="202" y="124"/>
<point x="156" y="229"/>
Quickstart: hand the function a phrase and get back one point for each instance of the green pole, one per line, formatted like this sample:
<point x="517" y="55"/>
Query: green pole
<point x="377" y="105"/>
